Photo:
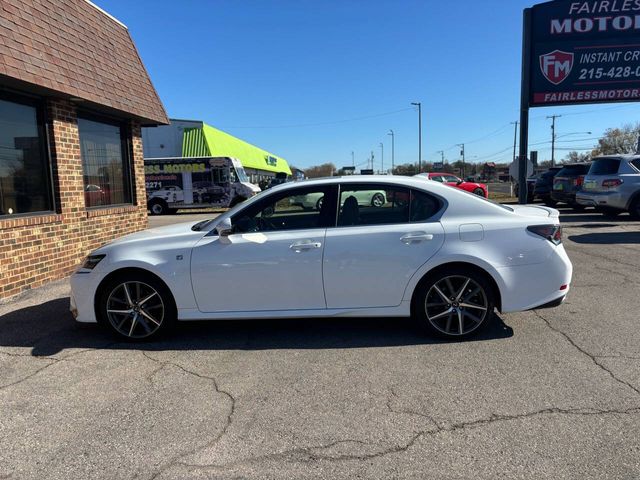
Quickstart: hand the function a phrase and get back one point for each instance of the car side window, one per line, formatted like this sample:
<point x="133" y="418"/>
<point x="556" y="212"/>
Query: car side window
<point x="438" y="178"/>
<point x="636" y="163"/>
<point x="423" y="206"/>
<point x="373" y="204"/>
<point x="294" y="209"/>
<point x="451" y="179"/>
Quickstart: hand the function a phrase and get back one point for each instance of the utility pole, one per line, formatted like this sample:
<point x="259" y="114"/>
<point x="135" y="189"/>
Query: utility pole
<point x="515" y="138"/>
<point x="353" y="159"/>
<point x="638" y="147"/>
<point x="441" y="152"/>
<point x="463" y="163"/>
<point x="382" y="155"/>
<point x="393" y="150"/>
<point x="419" y="105"/>
<point x="372" y="157"/>
<point x="553" y="138"/>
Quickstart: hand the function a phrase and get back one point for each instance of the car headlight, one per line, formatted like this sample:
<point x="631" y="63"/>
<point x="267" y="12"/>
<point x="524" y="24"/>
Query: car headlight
<point x="91" y="261"/>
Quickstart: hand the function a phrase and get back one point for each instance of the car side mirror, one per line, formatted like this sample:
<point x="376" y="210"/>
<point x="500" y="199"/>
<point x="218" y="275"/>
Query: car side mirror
<point x="224" y="229"/>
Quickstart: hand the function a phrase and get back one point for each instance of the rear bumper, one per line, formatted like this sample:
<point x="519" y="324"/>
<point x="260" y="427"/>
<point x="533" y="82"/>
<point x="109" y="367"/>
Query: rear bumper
<point x="602" y="199"/>
<point x="564" y="197"/>
<point x="529" y="287"/>
<point x="552" y="304"/>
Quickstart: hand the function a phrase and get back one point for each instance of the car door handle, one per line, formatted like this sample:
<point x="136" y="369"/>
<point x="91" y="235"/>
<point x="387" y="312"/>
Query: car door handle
<point x="305" y="246"/>
<point x="420" y="237"/>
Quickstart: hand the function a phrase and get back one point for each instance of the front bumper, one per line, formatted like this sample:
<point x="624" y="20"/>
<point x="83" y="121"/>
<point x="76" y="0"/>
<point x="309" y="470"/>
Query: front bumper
<point x="602" y="199"/>
<point x="83" y="290"/>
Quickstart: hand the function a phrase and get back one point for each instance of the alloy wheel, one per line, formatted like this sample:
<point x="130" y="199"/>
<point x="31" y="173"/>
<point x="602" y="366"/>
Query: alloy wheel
<point x="456" y="305"/>
<point x="135" y="309"/>
<point x="377" y="200"/>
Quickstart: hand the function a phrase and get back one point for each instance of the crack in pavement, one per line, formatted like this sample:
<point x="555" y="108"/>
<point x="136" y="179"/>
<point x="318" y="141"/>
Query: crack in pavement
<point x="229" y="420"/>
<point x="308" y="454"/>
<point x="593" y="358"/>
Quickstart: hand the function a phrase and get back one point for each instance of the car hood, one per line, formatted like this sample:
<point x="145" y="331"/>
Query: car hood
<point x="535" y="211"/>
<point x="169" y="232"/>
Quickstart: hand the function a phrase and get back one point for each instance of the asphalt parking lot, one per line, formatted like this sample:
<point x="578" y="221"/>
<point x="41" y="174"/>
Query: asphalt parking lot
<point x="543" y="394"/>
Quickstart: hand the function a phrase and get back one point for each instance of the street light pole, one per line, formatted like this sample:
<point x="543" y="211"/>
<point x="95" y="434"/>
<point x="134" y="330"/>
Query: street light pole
<point x="382" y="156"/>
<point x="393" y="150"/>
<point x="553" y="138"/>
<point x="463" y="164"/>
<point x="419" y="105"/>
<point x="515" y="138"/>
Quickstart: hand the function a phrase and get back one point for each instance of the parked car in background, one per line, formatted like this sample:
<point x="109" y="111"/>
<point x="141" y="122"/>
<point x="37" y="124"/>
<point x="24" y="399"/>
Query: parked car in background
<point x="446" y="258"/>
<point x="365" y="198"/>
<point x="567" y="182"/>
<point x="479" y="189"/>
<point x="613" y="185"/>
<point x="544" y="186"/>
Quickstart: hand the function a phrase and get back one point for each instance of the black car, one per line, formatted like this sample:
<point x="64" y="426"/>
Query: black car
<point x="568" y="182"/>
<point x="531" y="181"/>
<point x="544" y="186"/>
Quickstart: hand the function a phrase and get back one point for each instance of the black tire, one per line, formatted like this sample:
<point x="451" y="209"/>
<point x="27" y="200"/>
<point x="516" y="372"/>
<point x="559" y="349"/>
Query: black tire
<point x="437" y="320"/>
<point x="577" y="207"/>
<point x="550" y="203"/>
<point x="378" y="199"/>
<point x="634" y="209"/>
<point x="479" y="192"/>
<point x="158" y="206"/>
<point x="609" y="212"/>
<point x="160" y="307"/>
<point x="236" y="201"/>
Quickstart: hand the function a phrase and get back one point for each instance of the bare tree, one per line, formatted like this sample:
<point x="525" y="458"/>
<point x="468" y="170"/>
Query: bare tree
<point x="319" y="171"/>
<point x="617" y="141"/>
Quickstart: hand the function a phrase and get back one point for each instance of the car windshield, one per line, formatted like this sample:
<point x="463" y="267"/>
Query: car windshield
<point x="242" y="175"/>
<point x="605" y="166"/>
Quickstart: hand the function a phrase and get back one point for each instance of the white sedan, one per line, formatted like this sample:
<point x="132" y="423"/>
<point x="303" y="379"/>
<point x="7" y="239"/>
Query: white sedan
<point x="440" y="255"/>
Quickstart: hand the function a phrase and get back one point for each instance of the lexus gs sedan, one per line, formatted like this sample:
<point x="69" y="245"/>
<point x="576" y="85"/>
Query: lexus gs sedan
<point x="444" y="257"/>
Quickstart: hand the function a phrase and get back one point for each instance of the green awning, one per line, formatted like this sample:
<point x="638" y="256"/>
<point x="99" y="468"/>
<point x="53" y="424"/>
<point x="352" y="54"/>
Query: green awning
<point x="211" y="142"/>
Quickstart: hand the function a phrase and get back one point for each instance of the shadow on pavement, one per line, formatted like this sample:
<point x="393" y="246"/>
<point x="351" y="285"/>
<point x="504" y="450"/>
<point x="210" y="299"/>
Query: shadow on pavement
<point x="605" y="238"/>
<point x="49" y="329"/>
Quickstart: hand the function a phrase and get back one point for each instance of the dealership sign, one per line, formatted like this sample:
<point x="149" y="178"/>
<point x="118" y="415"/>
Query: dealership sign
<point x="584" y="52"/>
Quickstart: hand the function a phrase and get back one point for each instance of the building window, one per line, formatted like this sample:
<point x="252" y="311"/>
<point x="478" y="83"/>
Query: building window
<point x="105" y="162"/>
<point x="25" y="181"/>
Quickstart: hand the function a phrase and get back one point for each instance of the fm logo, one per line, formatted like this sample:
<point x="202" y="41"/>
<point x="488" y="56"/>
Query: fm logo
<point x="556" y="66"/>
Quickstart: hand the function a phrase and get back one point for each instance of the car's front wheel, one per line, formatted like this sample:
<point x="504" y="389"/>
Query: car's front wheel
<point x="454" y="303"/>
<point x="378" y="200"/>
<point x="479" y="192"/>
<point x="136" y="307"/>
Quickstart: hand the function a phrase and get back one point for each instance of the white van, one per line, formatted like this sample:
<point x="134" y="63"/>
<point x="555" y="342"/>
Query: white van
<point x="200" y="182"/>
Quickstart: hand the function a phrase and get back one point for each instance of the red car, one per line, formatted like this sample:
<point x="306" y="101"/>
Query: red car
<point x="479" y="189"/>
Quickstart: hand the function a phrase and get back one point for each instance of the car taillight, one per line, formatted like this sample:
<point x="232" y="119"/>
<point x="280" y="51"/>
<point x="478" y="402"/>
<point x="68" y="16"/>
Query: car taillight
<point x="579" y="181"/>
<point x="613" y="183"/>
<point x="553" y="233"/>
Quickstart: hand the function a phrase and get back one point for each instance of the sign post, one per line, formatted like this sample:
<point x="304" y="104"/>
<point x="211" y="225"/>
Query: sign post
<point x="578" y="52"/>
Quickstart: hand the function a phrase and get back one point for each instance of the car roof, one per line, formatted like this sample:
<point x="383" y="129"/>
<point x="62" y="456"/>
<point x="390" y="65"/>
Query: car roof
<point x="627" y="157"/>
<point x="411" y="182"/>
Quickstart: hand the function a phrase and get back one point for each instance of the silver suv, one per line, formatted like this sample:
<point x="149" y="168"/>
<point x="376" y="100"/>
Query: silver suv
<point x="613" y="185"/>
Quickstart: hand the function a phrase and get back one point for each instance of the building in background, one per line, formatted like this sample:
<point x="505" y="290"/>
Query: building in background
<point x="74" y="95"/>
<point x="191" y="138"/>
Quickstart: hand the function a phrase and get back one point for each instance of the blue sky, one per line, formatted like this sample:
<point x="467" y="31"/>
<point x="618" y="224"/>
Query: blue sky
<point x="313" y="81"/>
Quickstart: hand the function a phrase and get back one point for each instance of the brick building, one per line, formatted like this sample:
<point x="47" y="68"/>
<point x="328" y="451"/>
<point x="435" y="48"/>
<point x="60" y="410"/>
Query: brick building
<point x="74" y="96"/>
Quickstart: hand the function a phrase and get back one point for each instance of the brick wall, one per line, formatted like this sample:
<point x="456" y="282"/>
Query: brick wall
<point x="38" y="249"/>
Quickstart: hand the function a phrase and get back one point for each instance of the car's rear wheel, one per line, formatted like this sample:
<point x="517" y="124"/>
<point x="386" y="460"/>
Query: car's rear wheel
<point x="577" y="207"/>
<point x="479" y="192"/>
<point x="377" y="200"/>
<point x="454" y="303"/>
<point x="634" y="210"/>
<point x="136" y="307"/>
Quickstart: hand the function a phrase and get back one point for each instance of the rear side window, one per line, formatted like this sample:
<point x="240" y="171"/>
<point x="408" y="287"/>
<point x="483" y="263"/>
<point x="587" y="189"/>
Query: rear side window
<point x="423" y="206"/>
<point x="636" y="163"/>
<point x="371" y="204"/>
<point x="605" y="166"/>
<point x="574" y="170"/>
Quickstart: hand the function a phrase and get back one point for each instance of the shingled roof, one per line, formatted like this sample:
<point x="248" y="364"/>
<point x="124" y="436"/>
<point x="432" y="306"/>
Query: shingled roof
<point x="74" y="48"/>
